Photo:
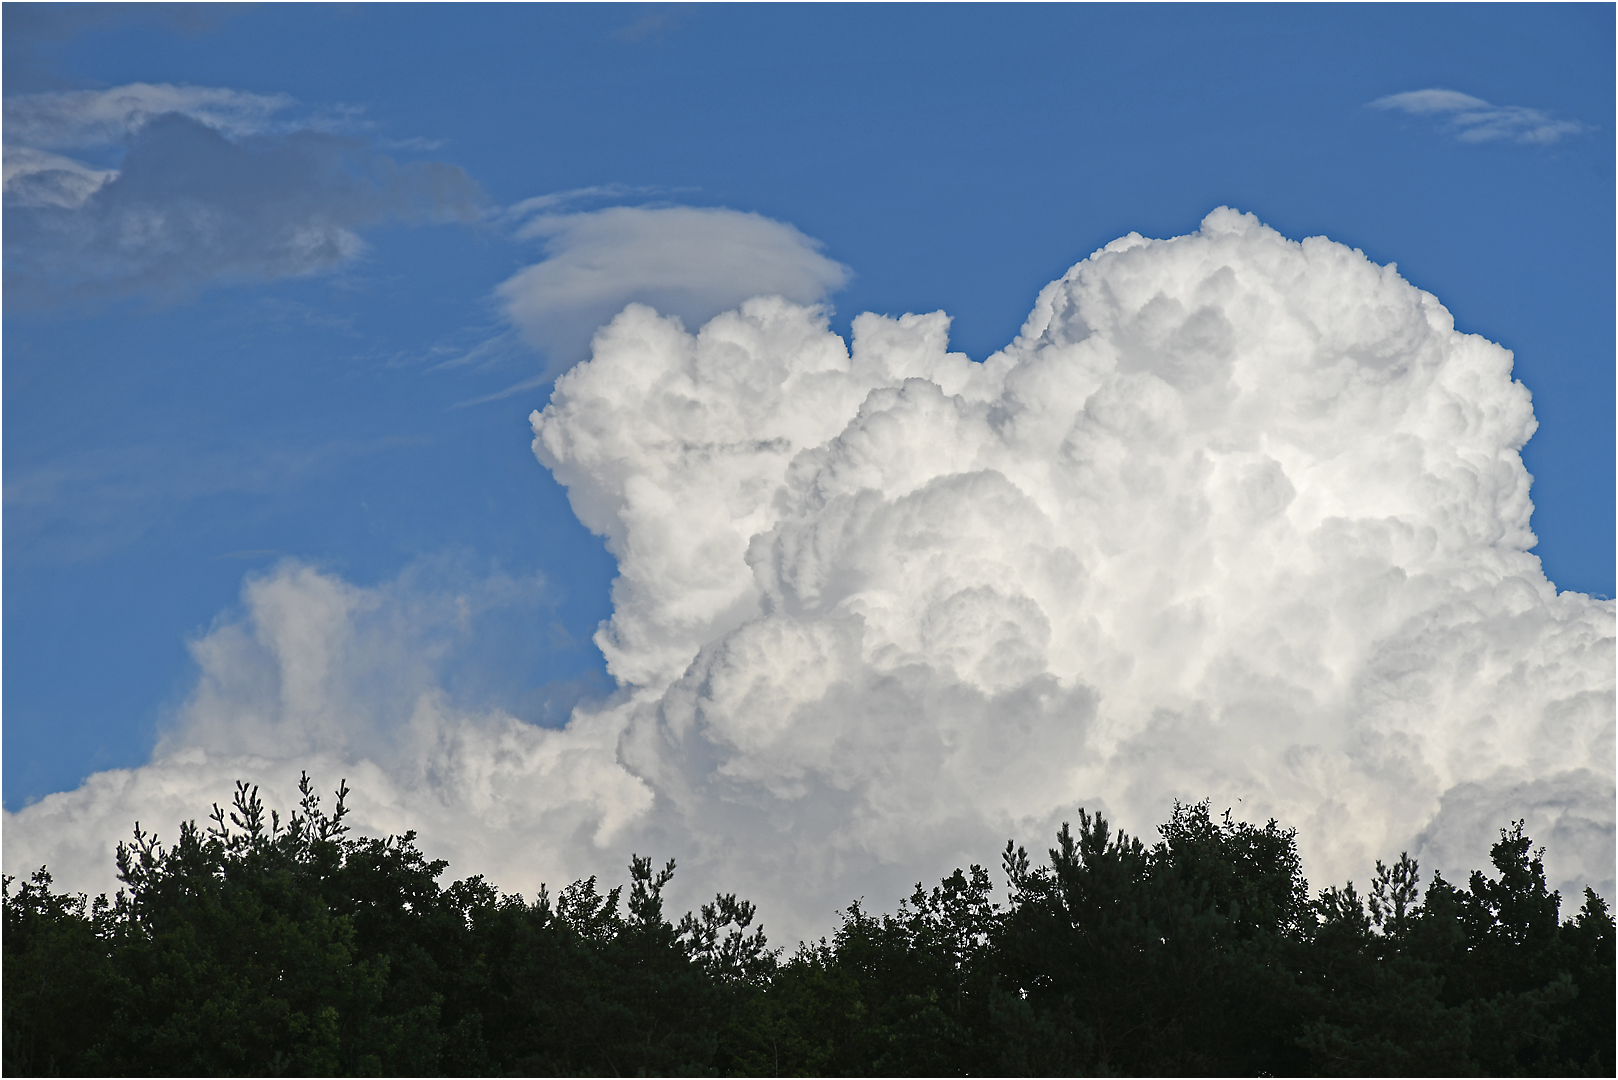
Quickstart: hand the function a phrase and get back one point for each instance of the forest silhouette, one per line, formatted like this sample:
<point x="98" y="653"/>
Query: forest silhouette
<point x="257" y="946"/>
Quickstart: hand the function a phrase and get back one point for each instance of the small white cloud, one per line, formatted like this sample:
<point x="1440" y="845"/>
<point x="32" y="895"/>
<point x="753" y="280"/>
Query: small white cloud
<point x="686" y="261"/>
<point x="1475" y="120"/>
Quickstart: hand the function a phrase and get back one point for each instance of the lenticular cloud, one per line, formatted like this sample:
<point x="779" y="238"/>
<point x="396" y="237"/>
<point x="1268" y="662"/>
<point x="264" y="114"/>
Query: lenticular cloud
<point x="1233" y="516"/>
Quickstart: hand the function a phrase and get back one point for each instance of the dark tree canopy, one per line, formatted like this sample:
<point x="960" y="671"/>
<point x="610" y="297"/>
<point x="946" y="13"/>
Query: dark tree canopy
<point x="254" y="946"/>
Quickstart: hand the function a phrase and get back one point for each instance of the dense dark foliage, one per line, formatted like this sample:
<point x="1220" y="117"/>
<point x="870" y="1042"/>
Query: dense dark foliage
<point x="257" y="947"/>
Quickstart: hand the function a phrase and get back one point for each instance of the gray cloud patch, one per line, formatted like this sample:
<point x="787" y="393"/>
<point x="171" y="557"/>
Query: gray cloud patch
<point x="195" y="199"/>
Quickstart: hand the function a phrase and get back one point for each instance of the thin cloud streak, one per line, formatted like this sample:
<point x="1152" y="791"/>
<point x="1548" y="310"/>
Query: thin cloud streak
<point x="1472" y="119"/>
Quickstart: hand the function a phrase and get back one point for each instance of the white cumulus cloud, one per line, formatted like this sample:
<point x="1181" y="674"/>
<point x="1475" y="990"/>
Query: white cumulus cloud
<point x="1474" y="120"/>
<point x="1234" y="516"/>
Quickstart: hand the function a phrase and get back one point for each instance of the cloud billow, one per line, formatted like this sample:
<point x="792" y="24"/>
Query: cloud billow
<point x="1234" y="516"/>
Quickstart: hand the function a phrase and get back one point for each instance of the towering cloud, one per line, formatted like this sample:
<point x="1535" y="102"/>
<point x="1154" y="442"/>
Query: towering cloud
<point x="1233" y="516"/>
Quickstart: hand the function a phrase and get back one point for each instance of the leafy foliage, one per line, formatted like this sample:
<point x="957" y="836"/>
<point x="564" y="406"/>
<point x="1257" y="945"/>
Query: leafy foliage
<point x="253" y="946"/>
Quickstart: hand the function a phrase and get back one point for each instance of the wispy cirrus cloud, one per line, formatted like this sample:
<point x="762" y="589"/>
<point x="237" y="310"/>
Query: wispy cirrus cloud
<point x="1472" y="119"/>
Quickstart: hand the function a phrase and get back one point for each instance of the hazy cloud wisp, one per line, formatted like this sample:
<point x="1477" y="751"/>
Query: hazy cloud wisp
<point x="1475" y="120"/>
<point x="76" y="119"/>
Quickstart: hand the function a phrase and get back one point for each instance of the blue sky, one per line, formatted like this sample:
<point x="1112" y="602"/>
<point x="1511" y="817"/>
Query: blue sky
<point x="177" y="419"/>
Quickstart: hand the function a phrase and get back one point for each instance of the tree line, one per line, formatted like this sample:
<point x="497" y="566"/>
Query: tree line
<point x="256" y="946"/>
